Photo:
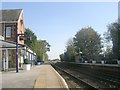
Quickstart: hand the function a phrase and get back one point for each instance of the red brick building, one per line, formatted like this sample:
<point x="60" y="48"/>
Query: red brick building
<point x="11" y="24"/>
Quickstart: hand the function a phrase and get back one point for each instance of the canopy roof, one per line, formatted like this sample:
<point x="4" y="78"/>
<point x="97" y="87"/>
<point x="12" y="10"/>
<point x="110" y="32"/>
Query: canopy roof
<point x="8" y="44"/>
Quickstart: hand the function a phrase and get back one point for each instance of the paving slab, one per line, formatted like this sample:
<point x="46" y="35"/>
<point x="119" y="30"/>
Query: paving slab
<point x="49" y="78"/>
<point x="23" y="79"/>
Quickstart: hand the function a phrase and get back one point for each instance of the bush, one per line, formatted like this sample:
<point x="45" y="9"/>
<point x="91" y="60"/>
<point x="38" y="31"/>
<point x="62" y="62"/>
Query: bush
<point x="26" y="61"/>
<point x="111" y="62"/>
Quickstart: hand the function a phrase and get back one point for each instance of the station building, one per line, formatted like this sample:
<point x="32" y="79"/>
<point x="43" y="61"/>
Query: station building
<point x="12" y="24"/>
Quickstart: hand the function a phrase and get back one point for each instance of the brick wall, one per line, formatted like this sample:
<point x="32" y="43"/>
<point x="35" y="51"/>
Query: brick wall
<point x="21" y="28"/>
<point x="13" y="35"/>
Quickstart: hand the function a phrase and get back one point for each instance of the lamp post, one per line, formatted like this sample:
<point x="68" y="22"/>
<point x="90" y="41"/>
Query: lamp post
<point x="16" y="53"/>
<point x="17" y="69"/>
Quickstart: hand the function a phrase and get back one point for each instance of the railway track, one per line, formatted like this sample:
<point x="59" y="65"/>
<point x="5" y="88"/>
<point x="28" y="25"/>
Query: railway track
<point x="101" y="80"/>
<point x="109" y="79"/>
<point x="84" y="85"/>
<point x="106" y="80"/>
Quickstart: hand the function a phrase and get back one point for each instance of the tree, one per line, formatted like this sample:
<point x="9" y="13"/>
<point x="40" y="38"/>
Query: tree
<point x="62" y="57"/>
<point x="88" y="42"/>
<point x="33" y="37"/>
<point x="107" y="49"/>
<point x="70" y="50"/>
<point x="113" y="34"/>
<point x="70" y="53"/>
<point x="40" y="47"/>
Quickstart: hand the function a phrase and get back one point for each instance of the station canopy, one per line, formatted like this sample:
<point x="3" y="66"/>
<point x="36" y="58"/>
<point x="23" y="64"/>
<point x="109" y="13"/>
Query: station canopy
<point x="8" y="44"/>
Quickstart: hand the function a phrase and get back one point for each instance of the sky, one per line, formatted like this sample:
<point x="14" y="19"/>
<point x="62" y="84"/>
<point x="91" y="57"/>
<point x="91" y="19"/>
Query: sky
<point x="57" y="22"/>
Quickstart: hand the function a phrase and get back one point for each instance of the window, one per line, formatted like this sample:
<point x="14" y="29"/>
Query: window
<point x="8" y="32"/>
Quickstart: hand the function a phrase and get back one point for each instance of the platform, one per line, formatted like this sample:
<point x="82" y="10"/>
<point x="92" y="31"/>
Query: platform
<point x="49" y="78"/>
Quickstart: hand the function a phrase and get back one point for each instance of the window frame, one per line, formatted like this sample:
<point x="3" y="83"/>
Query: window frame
<point x="6" y="30"/>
